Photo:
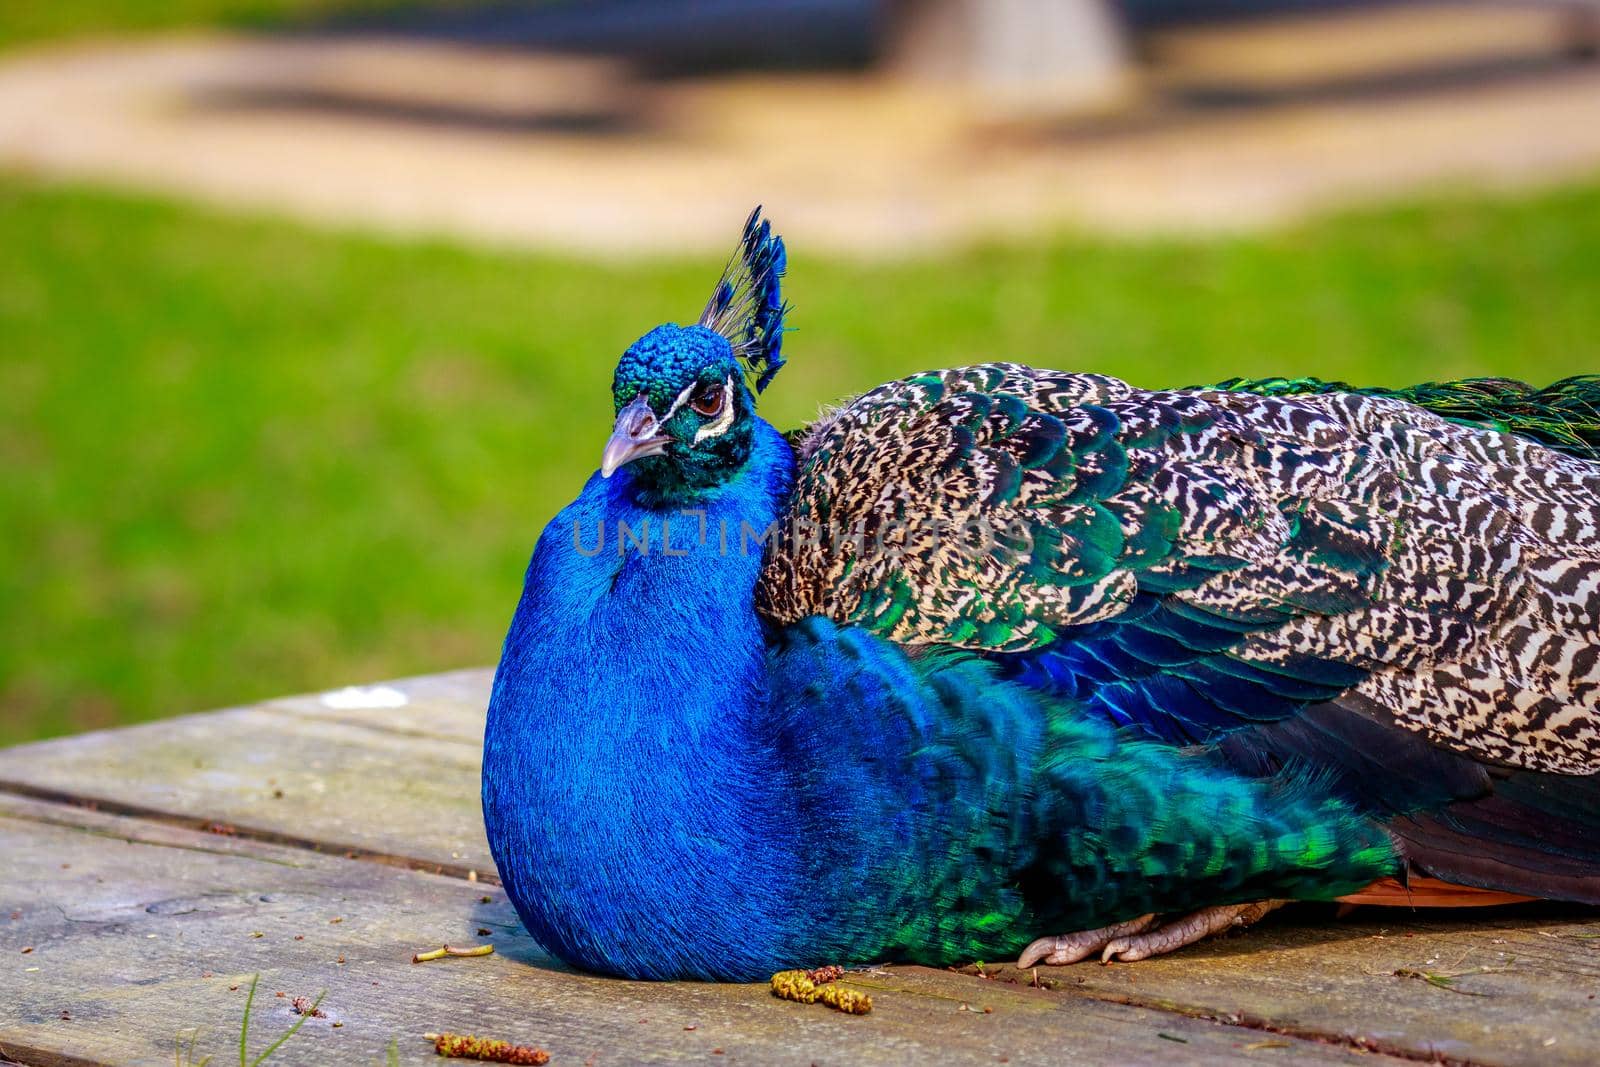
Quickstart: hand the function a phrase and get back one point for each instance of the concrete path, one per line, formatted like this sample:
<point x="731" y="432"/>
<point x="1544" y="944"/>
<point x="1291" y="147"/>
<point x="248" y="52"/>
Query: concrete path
<point x="1233" y="127"/>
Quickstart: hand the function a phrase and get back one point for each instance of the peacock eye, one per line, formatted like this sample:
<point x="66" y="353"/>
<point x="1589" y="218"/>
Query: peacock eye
<point x="708" y="399"/>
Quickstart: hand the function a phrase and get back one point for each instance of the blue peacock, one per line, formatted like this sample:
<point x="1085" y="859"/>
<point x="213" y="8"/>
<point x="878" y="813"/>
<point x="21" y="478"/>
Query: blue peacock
<point x="1000" y="661"/>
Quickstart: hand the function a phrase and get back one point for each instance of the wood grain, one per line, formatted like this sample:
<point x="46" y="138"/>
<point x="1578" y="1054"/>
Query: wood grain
<point x="278" y="776"/>
<point x="243" y="820"/>
<point x="142" y="930"/>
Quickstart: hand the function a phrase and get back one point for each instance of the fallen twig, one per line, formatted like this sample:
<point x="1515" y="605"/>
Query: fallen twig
<point x="446" y="950"/>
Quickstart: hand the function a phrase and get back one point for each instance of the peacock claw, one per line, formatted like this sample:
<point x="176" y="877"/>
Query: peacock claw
<point x="1135" y="939"/>
<point x="1195" y="926"/>
<point x="1070" y="948"/>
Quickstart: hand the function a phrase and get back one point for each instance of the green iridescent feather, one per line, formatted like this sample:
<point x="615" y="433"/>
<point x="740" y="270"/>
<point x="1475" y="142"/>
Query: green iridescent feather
<point x="969" y="814"/>
<point x="1564" y="415"/>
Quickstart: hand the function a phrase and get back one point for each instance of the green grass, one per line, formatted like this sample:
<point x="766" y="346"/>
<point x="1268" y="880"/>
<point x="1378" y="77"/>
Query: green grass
<point x="32" y="21"/>
<point x="244" y="458"/>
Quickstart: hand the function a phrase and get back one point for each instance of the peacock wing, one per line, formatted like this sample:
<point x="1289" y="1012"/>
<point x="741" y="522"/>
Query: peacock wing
<point x="1195" y="562"/>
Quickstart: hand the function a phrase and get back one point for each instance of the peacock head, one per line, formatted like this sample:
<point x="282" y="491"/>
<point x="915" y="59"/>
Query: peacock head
<point x="685" y="410"/>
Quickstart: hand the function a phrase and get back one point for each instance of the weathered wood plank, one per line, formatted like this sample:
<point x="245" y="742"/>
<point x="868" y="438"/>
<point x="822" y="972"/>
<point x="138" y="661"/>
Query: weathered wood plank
<point x="1506" y="987"/>
<point x="278" y="776"/>
<point x="140" y="930"/>
<point x="446" y="706"/>
<point x="402" y="782"/>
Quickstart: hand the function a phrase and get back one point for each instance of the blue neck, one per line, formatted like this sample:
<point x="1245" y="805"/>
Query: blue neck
<point x="627" y="742"/>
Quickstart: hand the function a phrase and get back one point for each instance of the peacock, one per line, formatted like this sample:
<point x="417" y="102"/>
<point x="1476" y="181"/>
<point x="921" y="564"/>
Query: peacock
<point x="1004" y="662"/>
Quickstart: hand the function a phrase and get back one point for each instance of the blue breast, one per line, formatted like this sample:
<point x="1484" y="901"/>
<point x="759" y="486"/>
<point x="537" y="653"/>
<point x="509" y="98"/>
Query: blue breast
<point x="618" y="785"/>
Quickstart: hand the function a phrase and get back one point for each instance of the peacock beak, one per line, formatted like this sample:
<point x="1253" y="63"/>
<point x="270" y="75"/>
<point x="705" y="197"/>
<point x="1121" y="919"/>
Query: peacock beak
<point x="633" y="436"/>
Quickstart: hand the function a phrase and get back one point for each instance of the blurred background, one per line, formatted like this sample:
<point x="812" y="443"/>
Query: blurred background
<point x="308" y="308"/>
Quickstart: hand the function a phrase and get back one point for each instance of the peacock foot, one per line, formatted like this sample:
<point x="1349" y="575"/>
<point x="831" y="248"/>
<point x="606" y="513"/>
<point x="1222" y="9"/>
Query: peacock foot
<point x="1070" y="948"/>
<point x="1141" y="938"/>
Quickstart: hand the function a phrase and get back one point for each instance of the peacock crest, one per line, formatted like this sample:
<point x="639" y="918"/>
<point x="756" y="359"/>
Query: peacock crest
<point x="747" y="307"/>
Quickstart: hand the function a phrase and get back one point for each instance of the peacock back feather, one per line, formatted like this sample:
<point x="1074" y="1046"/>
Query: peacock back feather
<point x="1564" y="415"/>
<point x="1191" y="562"/>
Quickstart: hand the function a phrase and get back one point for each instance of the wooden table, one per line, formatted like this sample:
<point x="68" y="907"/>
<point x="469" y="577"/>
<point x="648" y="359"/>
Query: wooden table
<point x="147" y="873"/>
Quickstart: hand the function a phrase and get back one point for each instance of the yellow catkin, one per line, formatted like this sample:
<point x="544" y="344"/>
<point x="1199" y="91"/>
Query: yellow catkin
<point x="809" y="987"/>
<point x="795" y="986"/>
<point x="849" y="1001"/>
<point x="467" y="1047"/>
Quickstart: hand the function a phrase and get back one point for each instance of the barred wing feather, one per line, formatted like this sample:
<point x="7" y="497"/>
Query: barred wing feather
<point x="1195" y="562"/>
